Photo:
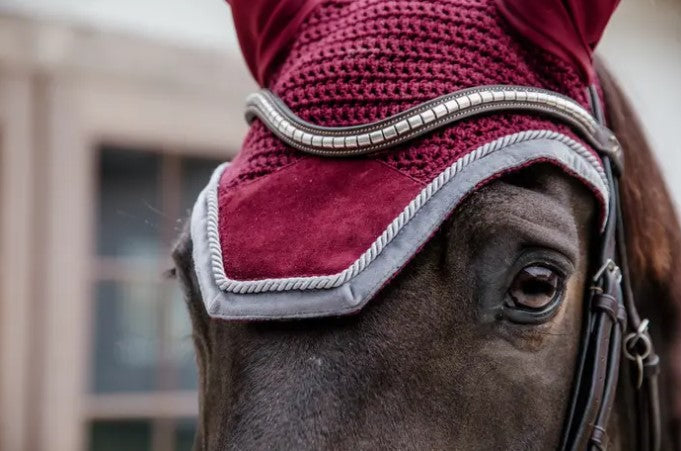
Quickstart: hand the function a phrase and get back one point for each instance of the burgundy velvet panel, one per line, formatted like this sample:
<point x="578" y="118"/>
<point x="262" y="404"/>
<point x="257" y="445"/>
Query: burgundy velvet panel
<point x="313" y="217"/>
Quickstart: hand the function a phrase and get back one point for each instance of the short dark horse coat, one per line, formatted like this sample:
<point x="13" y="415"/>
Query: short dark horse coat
<point x="377" y="120"/>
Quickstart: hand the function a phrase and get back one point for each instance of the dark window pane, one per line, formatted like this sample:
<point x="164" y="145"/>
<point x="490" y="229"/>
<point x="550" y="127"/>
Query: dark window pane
<point x="196" y="173"/>
<point x="182" y="346"/>
<point x="184" y="435"/>
<point x="126" y="331"/>
<point x="120" y="435"/>
<point x="129" y="203"/>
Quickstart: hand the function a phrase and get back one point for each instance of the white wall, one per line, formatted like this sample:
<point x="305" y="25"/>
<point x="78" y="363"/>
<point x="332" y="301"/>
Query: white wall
<point x="188" y="22"/>
<point x="642" y="45"/>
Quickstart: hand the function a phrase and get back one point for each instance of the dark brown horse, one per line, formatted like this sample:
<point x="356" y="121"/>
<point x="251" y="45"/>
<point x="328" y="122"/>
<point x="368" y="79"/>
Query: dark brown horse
<point x="501" y="332"/>
<point x="419" y="368"/>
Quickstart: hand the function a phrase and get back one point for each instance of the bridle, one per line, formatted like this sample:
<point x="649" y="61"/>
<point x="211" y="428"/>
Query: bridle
<point x="611" y="326"/>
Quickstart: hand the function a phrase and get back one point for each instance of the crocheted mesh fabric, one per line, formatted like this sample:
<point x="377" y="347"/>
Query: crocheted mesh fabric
<point x="358" y="61"/>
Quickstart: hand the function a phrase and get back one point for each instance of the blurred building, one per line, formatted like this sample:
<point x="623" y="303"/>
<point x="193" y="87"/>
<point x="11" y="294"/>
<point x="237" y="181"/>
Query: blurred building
<point x="106" y="137"/>
<point x="105" y="141"/>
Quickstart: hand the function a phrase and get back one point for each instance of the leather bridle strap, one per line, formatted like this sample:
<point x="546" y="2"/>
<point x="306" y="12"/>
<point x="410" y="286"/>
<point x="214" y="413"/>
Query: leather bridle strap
<point x="608" y="312"/>
<point x="637" y="345"/>
<point x="640" y="351"/>
<point x="598" y="363"/>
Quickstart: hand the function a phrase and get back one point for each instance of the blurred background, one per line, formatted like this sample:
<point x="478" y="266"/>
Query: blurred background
<point x="112" y="115"/>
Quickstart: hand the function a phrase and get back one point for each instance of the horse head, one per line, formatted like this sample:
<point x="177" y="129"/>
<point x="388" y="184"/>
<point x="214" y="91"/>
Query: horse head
<point x="422" y="242"/>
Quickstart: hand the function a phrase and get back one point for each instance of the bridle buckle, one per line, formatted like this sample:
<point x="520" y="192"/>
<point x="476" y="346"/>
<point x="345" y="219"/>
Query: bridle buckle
<point x="609" y="266"/>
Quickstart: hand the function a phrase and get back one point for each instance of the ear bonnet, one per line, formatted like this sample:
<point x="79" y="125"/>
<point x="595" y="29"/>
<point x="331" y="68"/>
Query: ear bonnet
<point x="422" y="102"/>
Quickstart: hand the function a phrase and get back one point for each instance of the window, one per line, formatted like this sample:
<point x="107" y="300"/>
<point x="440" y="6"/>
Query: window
<point x="143" y="378"/>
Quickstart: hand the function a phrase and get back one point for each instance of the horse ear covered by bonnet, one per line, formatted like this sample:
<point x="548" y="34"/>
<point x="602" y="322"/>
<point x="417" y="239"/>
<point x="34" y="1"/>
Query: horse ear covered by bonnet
<point x="423" y="102"/>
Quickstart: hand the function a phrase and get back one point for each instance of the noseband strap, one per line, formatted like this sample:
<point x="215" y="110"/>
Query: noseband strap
<point x="611" y="325"/>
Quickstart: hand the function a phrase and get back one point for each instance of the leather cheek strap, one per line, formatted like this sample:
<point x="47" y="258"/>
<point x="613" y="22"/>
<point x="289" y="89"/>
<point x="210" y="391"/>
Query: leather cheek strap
<point x="609" y="313"/>
<point x="599" y="359"/>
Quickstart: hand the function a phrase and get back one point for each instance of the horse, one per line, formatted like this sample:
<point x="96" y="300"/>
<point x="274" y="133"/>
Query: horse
<point x="476" y="341"/>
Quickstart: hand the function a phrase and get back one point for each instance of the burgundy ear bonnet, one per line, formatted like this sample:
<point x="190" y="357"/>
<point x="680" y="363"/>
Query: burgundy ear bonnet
<point x="397" y="88"/>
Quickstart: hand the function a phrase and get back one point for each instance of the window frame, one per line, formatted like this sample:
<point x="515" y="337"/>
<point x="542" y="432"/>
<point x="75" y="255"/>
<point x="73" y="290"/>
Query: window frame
<point x="164" y="407"/>
<point x="60" y="106"/>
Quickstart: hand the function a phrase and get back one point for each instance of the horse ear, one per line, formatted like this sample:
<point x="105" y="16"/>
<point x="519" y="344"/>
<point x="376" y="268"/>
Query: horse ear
<point x="265" y="28"/>
<point x="570" y="29"/>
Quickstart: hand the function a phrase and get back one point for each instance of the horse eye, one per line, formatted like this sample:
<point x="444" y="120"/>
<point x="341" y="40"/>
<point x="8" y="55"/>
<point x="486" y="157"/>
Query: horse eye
<point x="535" y="287"/>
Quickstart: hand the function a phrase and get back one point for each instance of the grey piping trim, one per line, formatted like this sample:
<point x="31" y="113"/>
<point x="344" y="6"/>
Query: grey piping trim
<point x="355" y="293"/>
<point x="423" y="118"/>
<point x="335" y="280"/>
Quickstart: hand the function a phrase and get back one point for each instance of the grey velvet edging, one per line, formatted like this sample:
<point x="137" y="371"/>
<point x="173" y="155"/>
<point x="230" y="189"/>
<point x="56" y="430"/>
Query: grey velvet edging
<point x="356" y="292"/>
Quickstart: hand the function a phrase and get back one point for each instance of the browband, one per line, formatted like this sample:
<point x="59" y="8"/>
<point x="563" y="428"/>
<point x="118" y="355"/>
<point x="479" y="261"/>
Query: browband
<point x="426" y="117"/>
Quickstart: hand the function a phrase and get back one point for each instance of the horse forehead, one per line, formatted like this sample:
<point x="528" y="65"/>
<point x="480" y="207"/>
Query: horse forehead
<point x="542" y="195"/>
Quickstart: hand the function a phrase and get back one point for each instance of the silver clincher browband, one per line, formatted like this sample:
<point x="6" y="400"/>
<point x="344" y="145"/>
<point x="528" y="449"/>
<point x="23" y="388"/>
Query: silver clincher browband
<point x="424" y="118"/>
